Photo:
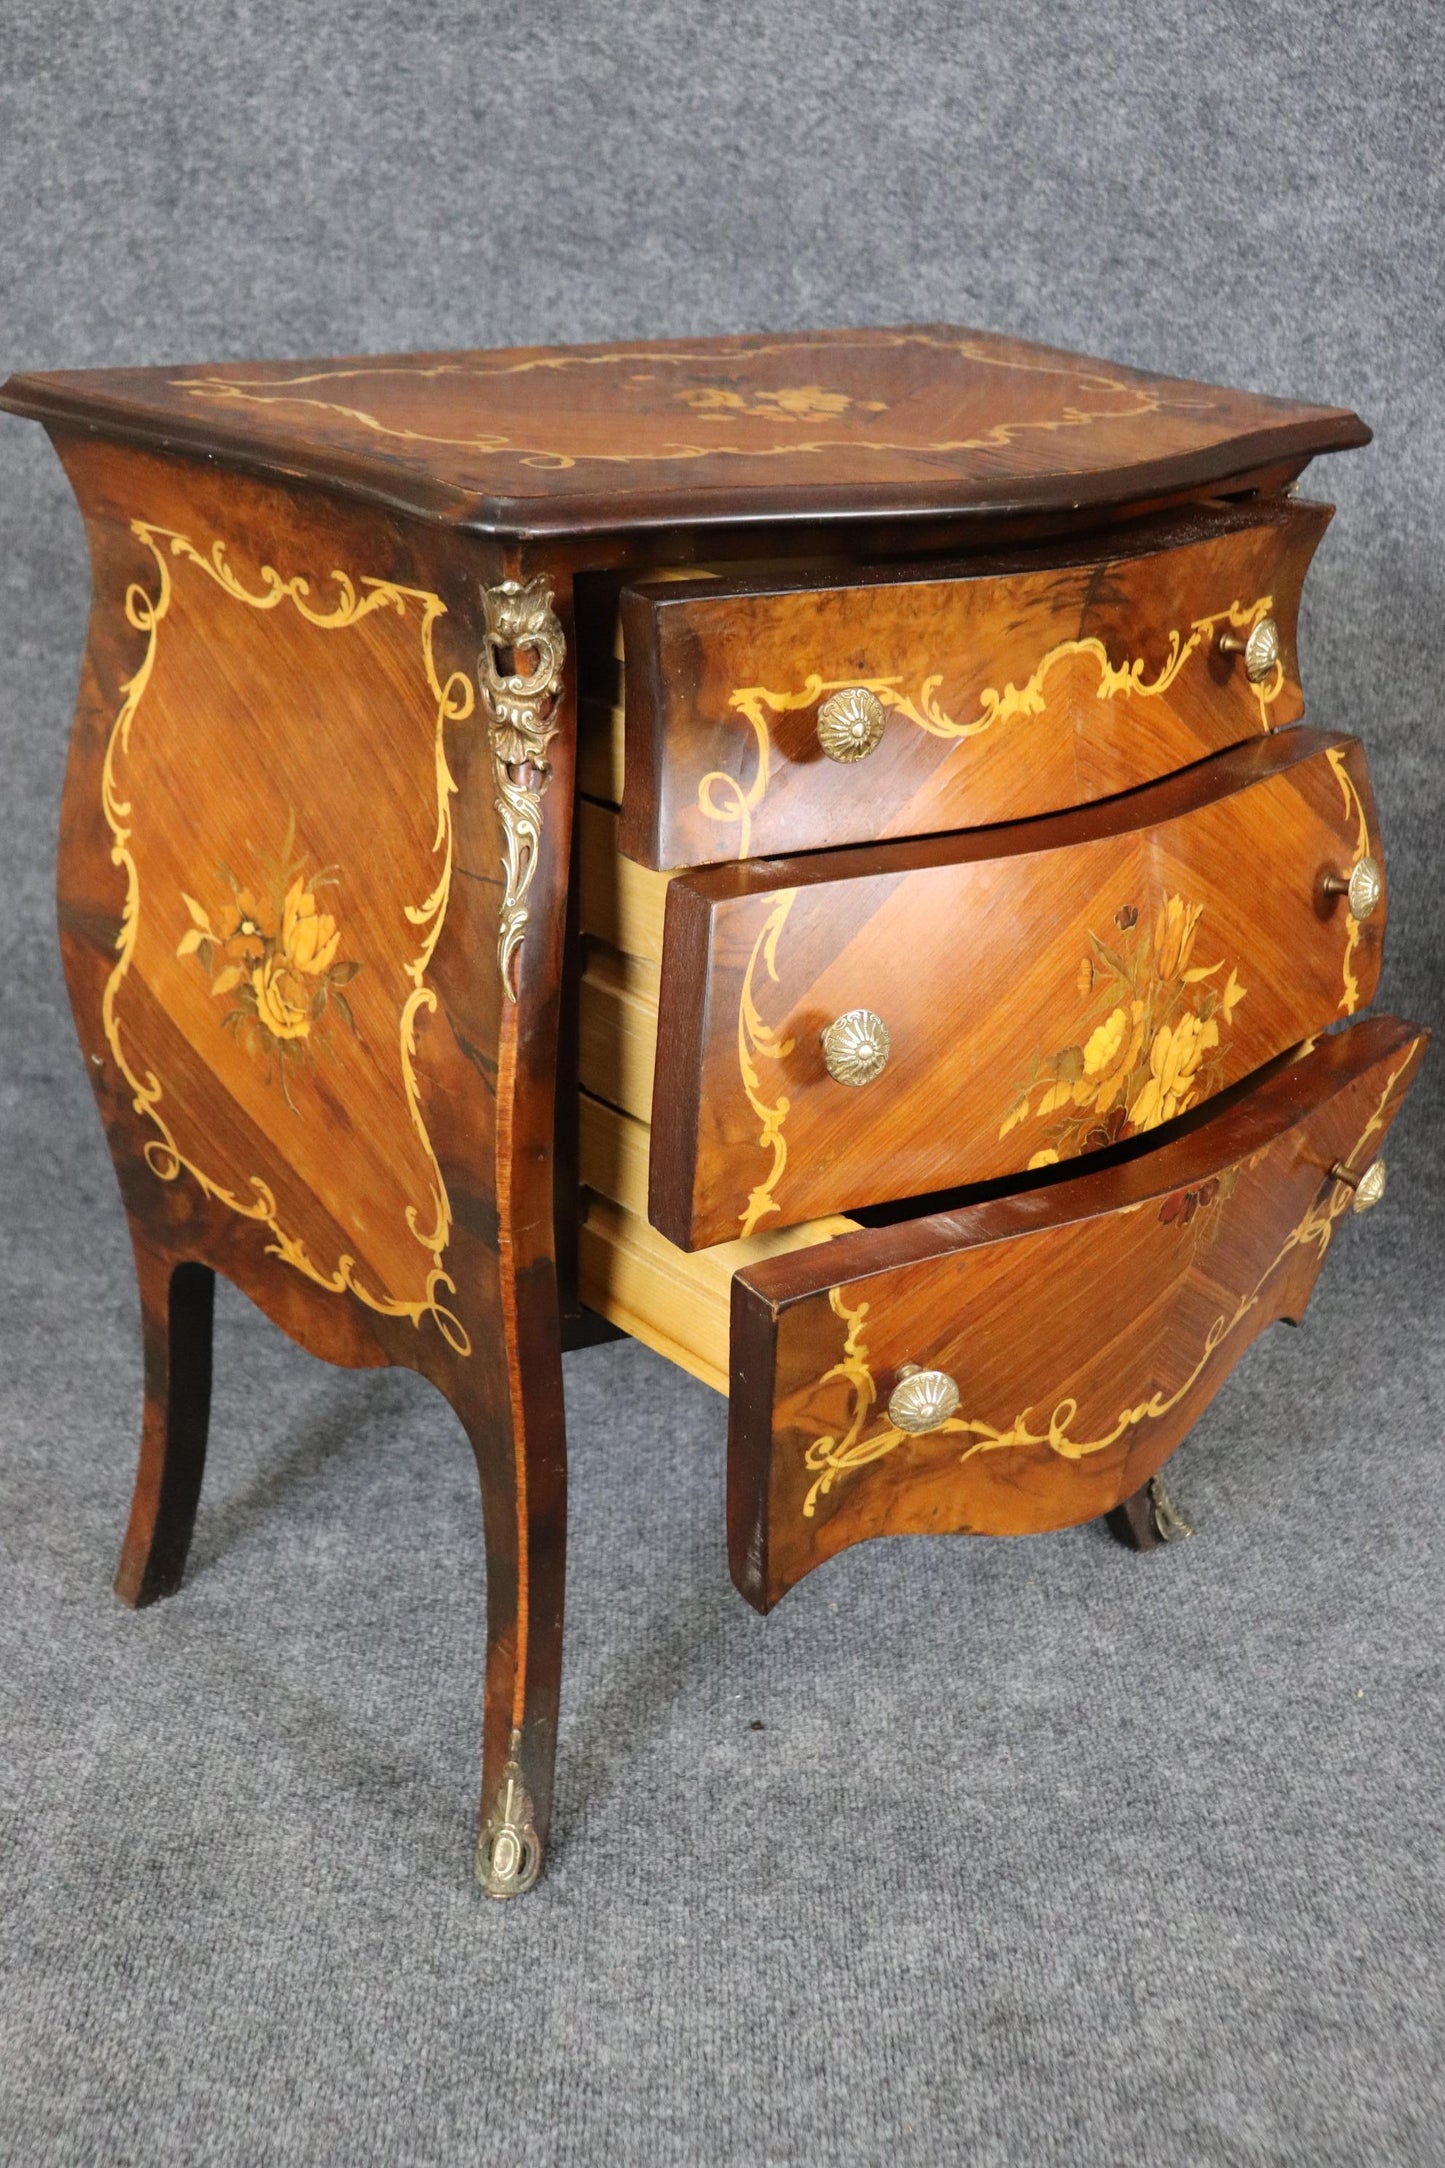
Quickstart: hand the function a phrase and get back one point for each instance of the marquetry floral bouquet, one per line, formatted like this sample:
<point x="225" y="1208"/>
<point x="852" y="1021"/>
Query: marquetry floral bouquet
<point x="1155" y="1048"/>
<point x="273" y="959"/>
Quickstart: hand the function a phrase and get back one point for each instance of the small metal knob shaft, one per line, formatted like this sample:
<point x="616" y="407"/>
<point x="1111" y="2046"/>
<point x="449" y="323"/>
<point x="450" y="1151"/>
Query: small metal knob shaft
<point x="856" y="1047"/>
<point x="1368" y="1186"/>
<point x="922" y="1400"/>
<point x="1259" y="647"/>
<point x="850" y="724"/>
<point x="1363" y="885"/>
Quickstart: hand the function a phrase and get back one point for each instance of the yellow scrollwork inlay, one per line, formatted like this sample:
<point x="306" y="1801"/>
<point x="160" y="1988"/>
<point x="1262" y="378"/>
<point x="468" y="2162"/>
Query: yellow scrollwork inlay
<point x="828" y="1458"/>
<point x="1122" y="399"/>
<point x="1350" y="998"/>
<point x="758" y="1041"/>
<point x="722" y="797"/>
<point x="454" y="700"/>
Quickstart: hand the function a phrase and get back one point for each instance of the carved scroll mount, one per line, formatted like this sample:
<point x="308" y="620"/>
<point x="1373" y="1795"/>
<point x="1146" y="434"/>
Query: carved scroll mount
<point x="523" y="706"/>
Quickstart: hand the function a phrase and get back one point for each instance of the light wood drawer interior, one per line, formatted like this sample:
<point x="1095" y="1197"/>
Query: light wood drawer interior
<point x="674" y="1301"/>
<point x="620" y="915"/>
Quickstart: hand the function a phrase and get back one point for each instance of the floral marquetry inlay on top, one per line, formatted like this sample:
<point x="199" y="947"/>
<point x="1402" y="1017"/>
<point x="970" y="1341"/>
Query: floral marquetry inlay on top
<point x="532" y="440"/>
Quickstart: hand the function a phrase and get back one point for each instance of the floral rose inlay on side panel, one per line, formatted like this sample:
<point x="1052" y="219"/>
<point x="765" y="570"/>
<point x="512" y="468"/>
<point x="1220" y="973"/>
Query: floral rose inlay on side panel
<point x="271" y="953"/>
<point x="1155" y="1047"/>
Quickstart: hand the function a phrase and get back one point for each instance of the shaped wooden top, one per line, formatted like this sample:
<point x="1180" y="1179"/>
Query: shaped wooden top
<point x="929" y="420"/>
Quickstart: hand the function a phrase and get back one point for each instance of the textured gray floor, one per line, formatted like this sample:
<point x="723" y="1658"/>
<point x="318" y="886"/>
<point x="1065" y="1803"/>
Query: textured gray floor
<point x="1044" y="1854"/>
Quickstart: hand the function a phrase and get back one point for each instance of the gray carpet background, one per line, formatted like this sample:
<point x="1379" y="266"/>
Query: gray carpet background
<point x="1044" y="1853"/>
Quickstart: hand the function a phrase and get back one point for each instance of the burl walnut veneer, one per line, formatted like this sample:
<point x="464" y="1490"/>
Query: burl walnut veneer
<point x="629" y="834"/>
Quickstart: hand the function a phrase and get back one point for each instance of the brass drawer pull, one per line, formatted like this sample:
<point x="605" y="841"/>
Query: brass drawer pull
<point x="1364" y="885"/>
<point x="856" y="1047"/>
<point x="850" y="724"/>
<point x="1369" y="1187"/>
<point x="922" y="1400"/>
<point x="1259" y="647"/>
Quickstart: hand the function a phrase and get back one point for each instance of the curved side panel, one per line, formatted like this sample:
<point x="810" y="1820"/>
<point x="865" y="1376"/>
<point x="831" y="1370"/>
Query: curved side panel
<point x="288" y="854"/>
<point x="1084" y="1324"/>
<point x="257" y="870"/>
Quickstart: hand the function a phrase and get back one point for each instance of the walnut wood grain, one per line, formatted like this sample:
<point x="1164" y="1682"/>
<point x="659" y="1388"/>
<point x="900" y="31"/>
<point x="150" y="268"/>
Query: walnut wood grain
<point x="281" y="786"/>
<point x="914" y="422"/>
<point x="281" y="876"/>
<point x="1087" y="1324"/>
<point x="1025" y="974"/>
<point x="1012" y="686"/>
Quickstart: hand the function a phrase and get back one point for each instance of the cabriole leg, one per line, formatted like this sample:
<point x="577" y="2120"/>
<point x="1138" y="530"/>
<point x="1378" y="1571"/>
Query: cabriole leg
<point x="177" y="1302"/>
<point x="524" y="1507"/>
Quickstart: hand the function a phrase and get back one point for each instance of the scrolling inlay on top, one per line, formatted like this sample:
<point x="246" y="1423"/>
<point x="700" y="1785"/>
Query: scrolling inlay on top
<point x="666" y="392"/>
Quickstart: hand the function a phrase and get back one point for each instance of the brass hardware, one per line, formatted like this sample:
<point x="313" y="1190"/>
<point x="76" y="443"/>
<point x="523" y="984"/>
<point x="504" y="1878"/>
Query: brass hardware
<point x="523" y="724"/>
<point x="1170" y="1525"/>
<point x="922" y="1400"/>
<point x="1259" y="647"/>
<point x="850" y="724"/>
<point x="856" y="1047"/>
<point x="1364" y="885"/>
<point x="1368" y="1185"/>
<point x="509" y="1852"/>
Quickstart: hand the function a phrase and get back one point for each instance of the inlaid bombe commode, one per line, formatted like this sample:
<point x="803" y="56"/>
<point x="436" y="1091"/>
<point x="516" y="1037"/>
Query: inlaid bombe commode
<point x="804" y="849"/>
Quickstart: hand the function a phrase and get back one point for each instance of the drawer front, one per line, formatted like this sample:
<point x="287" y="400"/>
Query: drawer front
<point x="1045" y="989"/>
<point x="999" y="689"/>
<point x="1082" y="1326"/>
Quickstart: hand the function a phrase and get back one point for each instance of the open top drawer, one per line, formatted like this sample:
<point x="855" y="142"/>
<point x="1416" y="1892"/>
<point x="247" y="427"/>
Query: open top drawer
<point x="1065" y="1337"/>
<point x="793" y="711"/>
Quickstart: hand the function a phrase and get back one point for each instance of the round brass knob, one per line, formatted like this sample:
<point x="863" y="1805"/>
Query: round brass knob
<point x="1363" y="886"/>
<point x="856" y="1047"/>
<point x="850" y="723"/>
<point x="922" y="1400"/>
<point x="1259" y="647"/>
<point x="1369" y="1187"/>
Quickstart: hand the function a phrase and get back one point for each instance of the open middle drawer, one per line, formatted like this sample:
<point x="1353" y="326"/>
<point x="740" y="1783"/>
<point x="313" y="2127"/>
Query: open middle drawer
<point x="814" y="1034"/>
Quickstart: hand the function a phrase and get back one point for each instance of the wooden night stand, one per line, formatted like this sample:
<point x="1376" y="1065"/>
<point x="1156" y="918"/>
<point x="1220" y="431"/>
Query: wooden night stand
<point x="805" y="848"/>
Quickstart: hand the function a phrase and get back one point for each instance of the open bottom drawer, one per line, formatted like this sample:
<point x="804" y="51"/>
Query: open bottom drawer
<point x="1065" y="1335"/>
